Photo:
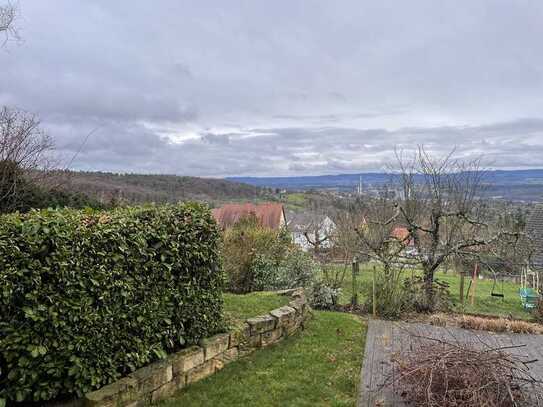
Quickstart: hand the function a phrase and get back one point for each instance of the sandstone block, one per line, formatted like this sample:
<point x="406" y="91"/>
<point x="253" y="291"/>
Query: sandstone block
<point x="186" y="359"/>
<point x="297" y="305"/>
<point x="105" y="397"/>
<point x="201" y="372"/>
<point x="254" y="341"/>
<point x="153" y="376"/>
<point x="215" y="345"/>
<point x="228" y="356"/>
<point x="111" y="394"/>
<point x="164" y="391"/>
<point x="261" y="324"/>
<point x="142" y="402"/>
<point x="284" y="315"/>
<point x="293" y="327"/>
<point x="239" y="335"/>
<point x="271" y="336"/>
<point x="287" y="292"/>
<point x="298" y="293"/>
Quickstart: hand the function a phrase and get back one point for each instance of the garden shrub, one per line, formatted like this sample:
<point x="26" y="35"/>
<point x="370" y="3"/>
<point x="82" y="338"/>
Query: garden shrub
<point x="264" y="271"/>
<point x="391" y="298"/>
<point x="326" y="289"/>
<point x="86" y="297"/>
<point x="252" y="255"/>
<point x="298" y="269"/>
<point x="295" y="269"/>
<point x="323" y="296"/>
<point x="397" y="295"/>
<point x="417" y="300"/>
<point x="256" y="258"/>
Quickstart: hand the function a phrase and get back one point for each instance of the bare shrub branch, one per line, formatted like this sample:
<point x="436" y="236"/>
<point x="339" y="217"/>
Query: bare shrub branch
<point x="441" y="373"/>
<point x="24" y="149"/>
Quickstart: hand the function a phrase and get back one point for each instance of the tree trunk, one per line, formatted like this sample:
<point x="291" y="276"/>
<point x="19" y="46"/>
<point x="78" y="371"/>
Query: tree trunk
<point x="429" y="289"/>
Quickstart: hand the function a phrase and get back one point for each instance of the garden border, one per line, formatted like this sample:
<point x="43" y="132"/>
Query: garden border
<point x="163" y="378"/>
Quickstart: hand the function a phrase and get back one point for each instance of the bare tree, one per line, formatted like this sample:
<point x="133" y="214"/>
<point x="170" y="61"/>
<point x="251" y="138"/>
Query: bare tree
<point x="8" y="14"/>
<point x="24" y="149"/>
<point x="316" y="234"/>
<point x="315" y="228"/>
<point x="345" y="240"/>
<point x="377" y="240"/>
<point x="441" y="208"/>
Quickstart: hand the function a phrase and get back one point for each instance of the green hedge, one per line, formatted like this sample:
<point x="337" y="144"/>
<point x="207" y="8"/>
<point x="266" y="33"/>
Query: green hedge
<point x="86" y="297"/>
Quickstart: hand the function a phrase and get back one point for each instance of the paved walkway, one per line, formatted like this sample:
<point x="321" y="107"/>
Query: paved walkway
<point x="385" y="338"/>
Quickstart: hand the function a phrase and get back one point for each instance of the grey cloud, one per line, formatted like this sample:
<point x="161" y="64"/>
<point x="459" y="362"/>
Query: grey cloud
<point x="221" y="139"/>
<point x="283" y="151"/>
<point x="283" y="87"/>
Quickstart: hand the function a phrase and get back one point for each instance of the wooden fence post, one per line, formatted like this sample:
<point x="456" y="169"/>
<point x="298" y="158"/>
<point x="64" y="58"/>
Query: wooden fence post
<point x="374" y="297"/>
<point x="475" y="277"/>
<point x="462" y="275"/>
<point x="354" y="297"/>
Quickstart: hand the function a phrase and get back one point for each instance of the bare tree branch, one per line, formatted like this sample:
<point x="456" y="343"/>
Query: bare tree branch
<point x="24" y="149"/>
<point x="8" y="15"/>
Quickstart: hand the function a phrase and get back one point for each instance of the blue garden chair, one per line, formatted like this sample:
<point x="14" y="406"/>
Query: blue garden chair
<point x="529" y="297"/>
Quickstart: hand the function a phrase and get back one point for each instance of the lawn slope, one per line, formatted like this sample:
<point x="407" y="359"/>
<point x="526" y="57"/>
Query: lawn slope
<point x="318" y="367"/>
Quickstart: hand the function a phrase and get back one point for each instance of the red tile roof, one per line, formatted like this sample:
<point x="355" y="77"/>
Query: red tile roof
<point x="402" y="234"/>
<point x="268" y="214"/>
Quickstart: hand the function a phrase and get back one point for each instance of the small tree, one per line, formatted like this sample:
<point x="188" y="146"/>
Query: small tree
<point x="379" y="242"/>
<point x="376" y="237"/>
<point x="24" y="149"/>
<point x="316" y="232"/>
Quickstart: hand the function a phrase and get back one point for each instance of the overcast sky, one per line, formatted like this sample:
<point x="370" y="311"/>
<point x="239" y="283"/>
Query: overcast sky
<point x="217" y="88"/>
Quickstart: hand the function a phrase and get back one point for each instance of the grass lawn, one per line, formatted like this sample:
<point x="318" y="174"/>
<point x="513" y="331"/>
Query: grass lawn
<point x="484" y="302"/>
<point x="317" y="367"/>
<point x="241" y="307"/>
<point x="295" y="200"/>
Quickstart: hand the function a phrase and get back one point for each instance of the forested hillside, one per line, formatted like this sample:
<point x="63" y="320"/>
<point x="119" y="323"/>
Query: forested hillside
<point x="139" y="188"/>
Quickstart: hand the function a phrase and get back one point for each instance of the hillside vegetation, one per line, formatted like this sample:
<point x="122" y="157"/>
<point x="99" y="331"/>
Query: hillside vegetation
<point x="140" y="188"/>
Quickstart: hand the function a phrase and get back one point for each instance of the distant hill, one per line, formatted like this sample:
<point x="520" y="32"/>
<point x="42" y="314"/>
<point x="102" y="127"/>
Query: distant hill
<point x="520" y="185"/>
<point x="139" y="188"/>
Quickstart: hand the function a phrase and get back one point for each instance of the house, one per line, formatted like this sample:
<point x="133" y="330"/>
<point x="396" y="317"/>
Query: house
<point x="269" y="215"/>
<point x="534" y="229"/>
<point x="401" y="234"/>
<point x="309" y="229"/>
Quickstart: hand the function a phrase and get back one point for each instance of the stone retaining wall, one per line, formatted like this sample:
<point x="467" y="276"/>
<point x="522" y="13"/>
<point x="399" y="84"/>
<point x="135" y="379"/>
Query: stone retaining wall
<point x="162" y="379"/>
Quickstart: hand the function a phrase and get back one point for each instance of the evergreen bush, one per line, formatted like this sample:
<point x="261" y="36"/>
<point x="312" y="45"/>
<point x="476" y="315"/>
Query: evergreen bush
<point x="88" y="296"/>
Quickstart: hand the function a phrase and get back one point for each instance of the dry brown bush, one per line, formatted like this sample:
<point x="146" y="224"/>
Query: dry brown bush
<point x="486" y="324"/>
<point x="437" y="373"/>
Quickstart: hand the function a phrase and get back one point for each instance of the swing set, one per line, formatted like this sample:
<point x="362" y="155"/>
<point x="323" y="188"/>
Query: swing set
<point x="529" y="280"/>
<point x="496" y="291"/>
<point x="493" y="291"/>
